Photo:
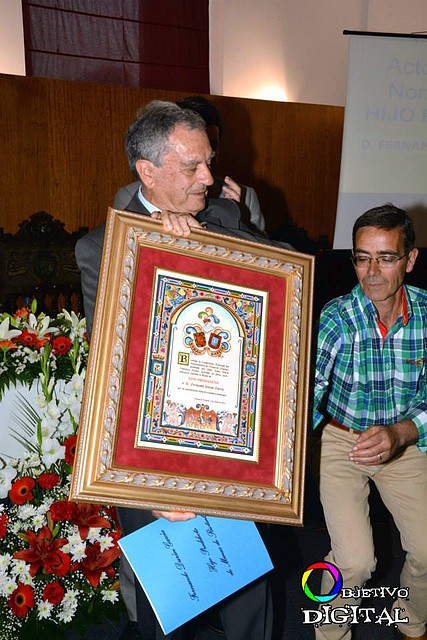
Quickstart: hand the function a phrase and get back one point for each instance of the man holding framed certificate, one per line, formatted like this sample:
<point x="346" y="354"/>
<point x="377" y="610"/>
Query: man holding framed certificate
<point x="167" y="147"/>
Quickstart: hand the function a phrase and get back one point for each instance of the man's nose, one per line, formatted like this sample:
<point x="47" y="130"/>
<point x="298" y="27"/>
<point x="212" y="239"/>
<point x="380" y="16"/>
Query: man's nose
<point x="206" y="175"/>
<point x="373" y="266"/>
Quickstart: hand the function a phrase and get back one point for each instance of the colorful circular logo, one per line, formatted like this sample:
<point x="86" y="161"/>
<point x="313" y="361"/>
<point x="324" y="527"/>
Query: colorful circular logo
<point x="323" y="566"/>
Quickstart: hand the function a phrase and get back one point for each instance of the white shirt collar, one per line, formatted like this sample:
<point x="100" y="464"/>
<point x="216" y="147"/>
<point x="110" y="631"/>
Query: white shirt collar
<point x="150" y="207"/>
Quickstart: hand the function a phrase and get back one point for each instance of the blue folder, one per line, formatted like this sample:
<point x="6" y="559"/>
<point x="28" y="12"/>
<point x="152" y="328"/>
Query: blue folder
<point x="187" y="567"/>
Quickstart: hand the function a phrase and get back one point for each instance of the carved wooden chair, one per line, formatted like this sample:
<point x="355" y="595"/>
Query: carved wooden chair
<point x="38" y="262"/>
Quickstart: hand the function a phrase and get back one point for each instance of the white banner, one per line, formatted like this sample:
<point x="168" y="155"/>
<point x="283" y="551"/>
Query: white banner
<point x="384" y="153"/>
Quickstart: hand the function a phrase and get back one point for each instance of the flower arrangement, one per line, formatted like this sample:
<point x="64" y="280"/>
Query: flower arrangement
<point x="58" y="559"/>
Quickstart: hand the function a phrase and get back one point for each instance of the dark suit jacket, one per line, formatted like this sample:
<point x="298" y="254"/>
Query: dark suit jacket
<point x="249" y="206"/>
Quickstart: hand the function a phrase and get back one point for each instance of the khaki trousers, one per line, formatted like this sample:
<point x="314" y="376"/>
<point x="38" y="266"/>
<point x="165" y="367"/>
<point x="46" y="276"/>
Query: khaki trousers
<point x="344" y="490"/>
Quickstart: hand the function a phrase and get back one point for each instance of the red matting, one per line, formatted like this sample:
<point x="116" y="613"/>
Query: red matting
<point x="195" y="464"/>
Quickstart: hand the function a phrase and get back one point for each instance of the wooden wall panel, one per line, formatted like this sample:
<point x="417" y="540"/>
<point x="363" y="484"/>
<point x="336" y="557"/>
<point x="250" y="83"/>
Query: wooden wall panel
<point x="62" y="150"/>
<point x="291" y="155"/>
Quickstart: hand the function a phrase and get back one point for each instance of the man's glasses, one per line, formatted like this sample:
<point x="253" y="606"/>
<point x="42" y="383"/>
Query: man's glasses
<point x="385" y="261"/>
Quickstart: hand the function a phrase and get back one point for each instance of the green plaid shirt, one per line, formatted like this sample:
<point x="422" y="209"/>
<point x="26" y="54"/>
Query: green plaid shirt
<point x="361" y="380"/>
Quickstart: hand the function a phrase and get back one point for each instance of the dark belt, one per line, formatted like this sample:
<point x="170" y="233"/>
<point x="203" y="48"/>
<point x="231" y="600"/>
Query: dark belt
<point x="338" y="425"/>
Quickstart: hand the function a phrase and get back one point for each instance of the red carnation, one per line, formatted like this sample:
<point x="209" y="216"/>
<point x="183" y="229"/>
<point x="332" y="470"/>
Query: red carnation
<point x="53" y="592"/>
<point x="21" y="600"/>
<point x="3" y="524"/>
<point x="60" y="510"/>
<point x="48" y="480"/>
<point x="61" y="345"/>
<point x="21" y="490"/>
<point x="70" y="449"/>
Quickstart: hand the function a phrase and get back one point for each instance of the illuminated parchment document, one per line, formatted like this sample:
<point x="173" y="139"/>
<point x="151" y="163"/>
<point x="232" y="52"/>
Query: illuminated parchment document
<point x="204" y="368"/>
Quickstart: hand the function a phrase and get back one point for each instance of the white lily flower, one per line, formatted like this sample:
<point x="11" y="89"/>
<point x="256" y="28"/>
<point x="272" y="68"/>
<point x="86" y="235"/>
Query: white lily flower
<point x="6" y="333"/>
<point x="6" y="476"/>
<point x="40" y="326"/>
<point x="52" y="451"/>
<point x="78" y="326"/>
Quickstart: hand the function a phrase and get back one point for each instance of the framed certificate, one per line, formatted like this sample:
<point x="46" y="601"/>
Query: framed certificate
<point x="196" y="393"/>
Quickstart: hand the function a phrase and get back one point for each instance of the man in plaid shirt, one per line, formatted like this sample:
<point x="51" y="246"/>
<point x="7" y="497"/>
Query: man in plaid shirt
<point x="371" y="400"/>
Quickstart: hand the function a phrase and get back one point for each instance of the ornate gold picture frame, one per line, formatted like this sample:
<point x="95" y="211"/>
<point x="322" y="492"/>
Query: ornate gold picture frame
<point x="196" y="392"/>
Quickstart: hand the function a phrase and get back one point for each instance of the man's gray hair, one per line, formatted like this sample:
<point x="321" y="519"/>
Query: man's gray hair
<point x="148" y="136"/>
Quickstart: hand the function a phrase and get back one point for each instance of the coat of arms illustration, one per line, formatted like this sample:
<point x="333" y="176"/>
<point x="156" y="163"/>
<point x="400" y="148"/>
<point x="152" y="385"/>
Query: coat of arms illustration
<point x="207" y="336"/>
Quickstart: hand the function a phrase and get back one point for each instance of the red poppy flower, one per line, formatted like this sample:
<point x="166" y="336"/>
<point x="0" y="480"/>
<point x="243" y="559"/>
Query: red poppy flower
<point x="48" y="480"/>
<point x="44" y="553"/>
<point x="70" y="449"/>
<point x="27" y="338"/>
<point x="53" y="592"/>
<point x="60" y="510"/>
<point x="21" y="600"/>
<point x="3" y="524"/>
<point x="85" y="516"/>
<point x="61" y="345"/>
<point x="95" y="563"/>
<point x="21" y="490"/>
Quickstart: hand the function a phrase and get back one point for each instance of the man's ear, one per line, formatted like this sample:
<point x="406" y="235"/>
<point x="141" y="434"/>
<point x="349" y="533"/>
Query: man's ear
<point x="145" y="170"/>
<point x="411" y="260"/>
